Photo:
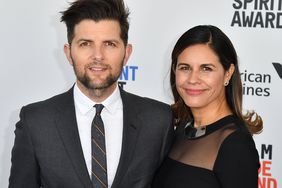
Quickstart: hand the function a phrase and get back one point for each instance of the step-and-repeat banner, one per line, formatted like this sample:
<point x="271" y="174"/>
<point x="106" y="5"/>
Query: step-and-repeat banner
<point x="33" y="65"/>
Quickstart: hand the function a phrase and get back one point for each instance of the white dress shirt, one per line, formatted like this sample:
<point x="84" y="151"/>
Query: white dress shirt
<point x="112" y="116"/>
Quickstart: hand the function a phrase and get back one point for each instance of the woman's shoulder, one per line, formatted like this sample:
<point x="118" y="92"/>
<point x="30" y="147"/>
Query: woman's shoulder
<point x="238" y="148"/>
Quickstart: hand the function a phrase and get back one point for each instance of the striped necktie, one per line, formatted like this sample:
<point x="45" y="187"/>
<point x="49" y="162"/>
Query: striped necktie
<point x="99" y="162"/>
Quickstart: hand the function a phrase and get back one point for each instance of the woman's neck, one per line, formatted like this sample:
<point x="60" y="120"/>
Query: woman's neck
<point x="206" y="116"/>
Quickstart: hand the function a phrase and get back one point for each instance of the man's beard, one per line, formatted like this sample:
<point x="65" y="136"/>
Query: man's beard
<point x="86" y="80"/>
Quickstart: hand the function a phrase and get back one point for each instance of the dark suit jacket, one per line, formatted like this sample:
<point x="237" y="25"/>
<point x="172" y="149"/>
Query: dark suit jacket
<point x="47" y="150"/>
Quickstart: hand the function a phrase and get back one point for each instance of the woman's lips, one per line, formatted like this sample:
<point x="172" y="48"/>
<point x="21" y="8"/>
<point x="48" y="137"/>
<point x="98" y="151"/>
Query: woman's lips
<point x="194" y="91"/>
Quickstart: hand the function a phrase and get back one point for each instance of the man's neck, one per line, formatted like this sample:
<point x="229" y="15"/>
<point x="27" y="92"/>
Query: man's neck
<point x="97" y="95"/>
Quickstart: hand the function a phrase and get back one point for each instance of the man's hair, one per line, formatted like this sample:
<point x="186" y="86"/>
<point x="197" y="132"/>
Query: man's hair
<point x="96" y="10"/>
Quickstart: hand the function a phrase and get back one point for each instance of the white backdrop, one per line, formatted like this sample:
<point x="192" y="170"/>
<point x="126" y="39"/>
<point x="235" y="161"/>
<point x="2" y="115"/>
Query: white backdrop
<point x="33" y="66"/>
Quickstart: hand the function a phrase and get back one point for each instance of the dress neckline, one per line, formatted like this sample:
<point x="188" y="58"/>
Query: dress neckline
<point x="190" y="132"/>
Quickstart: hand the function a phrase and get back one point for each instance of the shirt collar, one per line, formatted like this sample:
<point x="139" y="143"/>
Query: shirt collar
<point x="85" y="104"/>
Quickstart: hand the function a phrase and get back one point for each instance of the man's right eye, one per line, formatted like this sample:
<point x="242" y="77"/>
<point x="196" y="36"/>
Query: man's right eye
<point x="84" y="44"/>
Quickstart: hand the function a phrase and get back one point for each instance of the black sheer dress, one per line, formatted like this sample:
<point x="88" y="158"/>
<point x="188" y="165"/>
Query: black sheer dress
<point x="220" y="155"/>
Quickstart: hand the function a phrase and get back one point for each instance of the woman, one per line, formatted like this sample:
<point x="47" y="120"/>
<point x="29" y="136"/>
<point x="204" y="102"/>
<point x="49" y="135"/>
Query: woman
<point x="214" y="147"/>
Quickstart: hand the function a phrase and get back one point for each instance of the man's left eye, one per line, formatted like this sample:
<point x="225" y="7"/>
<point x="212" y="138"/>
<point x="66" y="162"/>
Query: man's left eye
<point x="110" y="44"/>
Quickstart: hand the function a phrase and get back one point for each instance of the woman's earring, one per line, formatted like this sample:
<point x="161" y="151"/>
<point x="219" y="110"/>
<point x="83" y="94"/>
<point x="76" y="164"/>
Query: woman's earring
<point x="226" y="83"/>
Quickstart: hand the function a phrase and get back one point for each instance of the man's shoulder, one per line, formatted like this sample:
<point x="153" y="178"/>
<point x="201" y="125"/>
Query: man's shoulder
<point x="52" y="102"/>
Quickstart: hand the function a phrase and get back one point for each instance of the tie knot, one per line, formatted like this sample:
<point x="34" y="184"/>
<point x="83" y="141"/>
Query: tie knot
<point x="99" y="108"/>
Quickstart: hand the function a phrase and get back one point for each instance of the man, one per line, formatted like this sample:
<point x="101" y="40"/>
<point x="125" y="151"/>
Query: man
<point x="66" y="142"/>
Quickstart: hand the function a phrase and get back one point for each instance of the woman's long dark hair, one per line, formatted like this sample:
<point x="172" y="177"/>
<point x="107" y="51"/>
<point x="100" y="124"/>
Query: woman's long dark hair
<point x="224" y="49"/>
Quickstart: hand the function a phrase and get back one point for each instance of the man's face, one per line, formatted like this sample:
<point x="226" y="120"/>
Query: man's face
<point x="97" y="54"/>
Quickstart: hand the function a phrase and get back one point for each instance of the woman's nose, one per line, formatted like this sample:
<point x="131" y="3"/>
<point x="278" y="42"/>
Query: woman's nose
<point x="193" y="76"/>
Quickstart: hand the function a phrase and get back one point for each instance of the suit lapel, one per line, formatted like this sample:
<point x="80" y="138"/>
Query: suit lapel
<point x="67" y="128"/>
<point x="131" y="128"/>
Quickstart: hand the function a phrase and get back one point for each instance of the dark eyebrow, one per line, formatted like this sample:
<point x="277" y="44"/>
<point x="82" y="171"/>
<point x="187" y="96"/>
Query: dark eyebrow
<point x="112" y="40"/>
<point x="180" y="63"/>
<point x="207" y="64"/>
<point x="84" y="40"/>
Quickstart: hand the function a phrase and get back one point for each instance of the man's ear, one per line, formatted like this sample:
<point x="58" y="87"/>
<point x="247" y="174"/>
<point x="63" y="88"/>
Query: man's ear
<point x="128" y="51"/>
<point x="67" y="50"/>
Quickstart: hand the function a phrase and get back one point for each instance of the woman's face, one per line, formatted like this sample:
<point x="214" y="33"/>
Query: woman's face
<point x="200" y="78"/>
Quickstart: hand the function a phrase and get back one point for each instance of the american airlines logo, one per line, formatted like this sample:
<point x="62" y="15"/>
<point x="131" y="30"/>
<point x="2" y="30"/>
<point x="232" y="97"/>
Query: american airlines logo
<point x="278" y="68"/>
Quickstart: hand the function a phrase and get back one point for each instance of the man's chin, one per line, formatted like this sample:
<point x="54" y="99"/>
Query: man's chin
<point x="96" y="86"/>
<point x="99" y="86"/>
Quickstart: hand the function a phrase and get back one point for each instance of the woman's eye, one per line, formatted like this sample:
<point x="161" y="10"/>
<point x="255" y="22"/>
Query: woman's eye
<point x="206" y="69"/>
<point x="183" y="67"/>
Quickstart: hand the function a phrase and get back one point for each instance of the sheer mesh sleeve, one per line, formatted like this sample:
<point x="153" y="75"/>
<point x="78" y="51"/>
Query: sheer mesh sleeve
<point x="237" y="162"/>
